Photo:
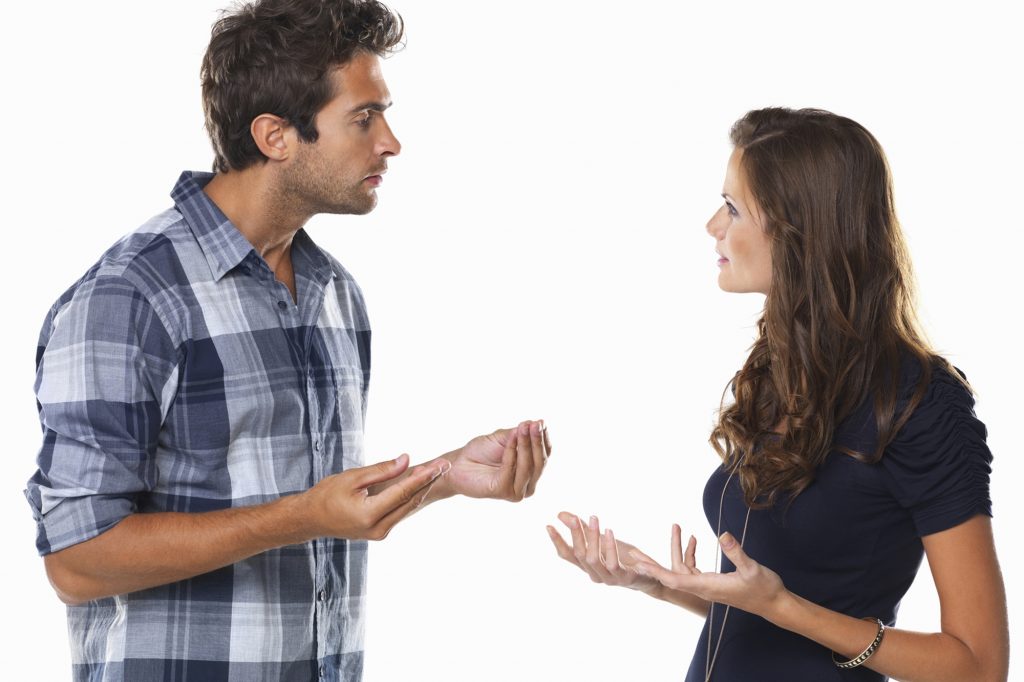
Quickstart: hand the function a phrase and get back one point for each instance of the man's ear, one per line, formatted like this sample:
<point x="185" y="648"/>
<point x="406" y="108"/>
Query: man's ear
<point x="273" y="136"/>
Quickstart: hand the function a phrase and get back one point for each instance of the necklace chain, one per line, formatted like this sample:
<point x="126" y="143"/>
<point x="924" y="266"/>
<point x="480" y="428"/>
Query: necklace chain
<point x="709" y="658"/>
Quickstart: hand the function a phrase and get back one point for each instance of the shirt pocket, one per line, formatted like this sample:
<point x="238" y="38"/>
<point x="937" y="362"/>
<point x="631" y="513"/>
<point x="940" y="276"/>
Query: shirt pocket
<point x="348" y="414"/>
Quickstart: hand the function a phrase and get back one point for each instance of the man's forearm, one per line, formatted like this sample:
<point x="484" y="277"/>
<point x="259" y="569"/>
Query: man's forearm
<point x="149" y="549"/>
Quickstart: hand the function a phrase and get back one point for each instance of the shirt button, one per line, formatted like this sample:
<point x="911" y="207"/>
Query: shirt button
<point x="282" y="305"/>
<point x="317" y="445"/>
<point x="322" y="671"/>
<point x="323" y="595"/>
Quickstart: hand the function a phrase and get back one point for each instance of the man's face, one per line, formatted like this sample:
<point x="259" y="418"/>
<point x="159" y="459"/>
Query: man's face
<point x="339" y="173"/>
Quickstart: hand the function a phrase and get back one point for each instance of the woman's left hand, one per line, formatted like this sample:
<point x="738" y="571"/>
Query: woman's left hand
<point x="751" y="587"/>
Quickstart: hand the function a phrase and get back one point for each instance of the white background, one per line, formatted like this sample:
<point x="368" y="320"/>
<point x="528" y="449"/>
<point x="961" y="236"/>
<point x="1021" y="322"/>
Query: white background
<point x="539" y="251"/>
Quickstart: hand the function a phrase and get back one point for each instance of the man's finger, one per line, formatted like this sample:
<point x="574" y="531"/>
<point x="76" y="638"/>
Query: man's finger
<point x="524" y="462"/>
<point x="381" y="472"/>
<point x="405" y="491"/>
<point x="393" y="517"/>
<point x="538" y="454"/>
<point x="507" y="473"/>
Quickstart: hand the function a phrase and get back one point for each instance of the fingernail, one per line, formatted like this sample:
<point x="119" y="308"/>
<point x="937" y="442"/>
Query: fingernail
<point x="727" y="540"/>
<point x="593" y="522"/>
<point x="398" y="460"/>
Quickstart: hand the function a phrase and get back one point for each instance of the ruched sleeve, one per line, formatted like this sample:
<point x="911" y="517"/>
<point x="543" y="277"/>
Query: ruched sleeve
<point x="938" y="465"/>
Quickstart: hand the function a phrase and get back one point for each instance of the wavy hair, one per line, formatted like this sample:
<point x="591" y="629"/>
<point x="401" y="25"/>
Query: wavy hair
<point x="839" y="320"/>
<point x="273" y="56"/>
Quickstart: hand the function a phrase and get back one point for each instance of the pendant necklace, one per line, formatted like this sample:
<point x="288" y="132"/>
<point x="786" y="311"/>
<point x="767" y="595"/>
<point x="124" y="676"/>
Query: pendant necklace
<point x="709" y="658"/>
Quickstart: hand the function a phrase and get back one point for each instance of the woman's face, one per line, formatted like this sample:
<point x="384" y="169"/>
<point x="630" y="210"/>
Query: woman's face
<point x="745" y="255"/>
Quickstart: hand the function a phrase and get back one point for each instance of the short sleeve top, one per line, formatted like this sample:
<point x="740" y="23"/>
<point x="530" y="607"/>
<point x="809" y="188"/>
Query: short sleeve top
<point x="851" y="541"/>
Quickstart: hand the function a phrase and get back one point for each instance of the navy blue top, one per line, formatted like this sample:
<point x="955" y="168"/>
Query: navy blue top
<point x="851" y="541"/>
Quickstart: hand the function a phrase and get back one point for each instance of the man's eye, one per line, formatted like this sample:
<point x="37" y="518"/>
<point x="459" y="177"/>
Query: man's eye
<point x="365" y="121"/>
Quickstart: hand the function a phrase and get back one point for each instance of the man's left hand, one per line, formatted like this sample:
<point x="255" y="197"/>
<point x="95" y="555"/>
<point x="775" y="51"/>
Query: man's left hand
<point x="503" y="465"/>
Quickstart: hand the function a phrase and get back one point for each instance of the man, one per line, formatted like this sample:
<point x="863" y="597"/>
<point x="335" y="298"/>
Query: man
<point x="200" y="501"/>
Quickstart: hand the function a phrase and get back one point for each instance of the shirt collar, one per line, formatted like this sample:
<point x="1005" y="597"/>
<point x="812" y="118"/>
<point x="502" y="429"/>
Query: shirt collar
<point x="221" y="242"/>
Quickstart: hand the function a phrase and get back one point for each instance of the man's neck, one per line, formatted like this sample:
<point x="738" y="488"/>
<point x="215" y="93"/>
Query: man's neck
<point x="252" y="204"/>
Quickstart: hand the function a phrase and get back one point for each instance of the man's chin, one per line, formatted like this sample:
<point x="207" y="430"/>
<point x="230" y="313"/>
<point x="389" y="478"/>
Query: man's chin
<point x="361" y="207"/>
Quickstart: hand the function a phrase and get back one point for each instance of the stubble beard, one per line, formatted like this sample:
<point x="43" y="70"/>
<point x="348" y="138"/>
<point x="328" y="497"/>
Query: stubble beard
<point x="314" y="186"/>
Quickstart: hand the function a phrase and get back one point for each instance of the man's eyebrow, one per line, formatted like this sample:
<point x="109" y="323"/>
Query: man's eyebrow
<point x="370" y="106"/>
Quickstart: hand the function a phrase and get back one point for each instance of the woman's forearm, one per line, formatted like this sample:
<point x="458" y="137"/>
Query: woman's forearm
<point x="690" y="602"/>
<point x="902" y="655"/>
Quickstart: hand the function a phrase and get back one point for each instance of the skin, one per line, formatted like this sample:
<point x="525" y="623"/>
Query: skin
<point x="745" y="257"/>
<point x="339" y="173"/>
<point x="269" y="203"/>
<point x="973" y="642"/>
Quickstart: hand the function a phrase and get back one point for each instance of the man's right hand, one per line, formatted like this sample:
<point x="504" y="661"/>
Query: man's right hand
<point x="146" y="550"/>
<point x="343" y="505"/>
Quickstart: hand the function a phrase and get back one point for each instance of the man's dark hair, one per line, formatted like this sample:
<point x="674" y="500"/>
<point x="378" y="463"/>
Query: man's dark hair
<point x="274" y="57"/>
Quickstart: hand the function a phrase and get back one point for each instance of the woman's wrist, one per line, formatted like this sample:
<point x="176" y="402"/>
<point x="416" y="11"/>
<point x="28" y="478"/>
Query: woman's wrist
<point x="782" y="610"/>
<point x="657" y="590"/>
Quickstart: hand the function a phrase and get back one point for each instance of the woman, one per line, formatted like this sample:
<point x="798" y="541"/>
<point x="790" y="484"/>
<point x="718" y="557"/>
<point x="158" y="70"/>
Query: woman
<point x="850" y="447"/>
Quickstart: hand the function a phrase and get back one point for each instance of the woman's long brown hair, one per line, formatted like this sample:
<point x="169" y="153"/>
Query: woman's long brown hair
<point x="839" y="319"/>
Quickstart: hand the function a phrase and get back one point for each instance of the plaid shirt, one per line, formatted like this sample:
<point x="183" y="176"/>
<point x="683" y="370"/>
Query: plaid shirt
<point x="179" y="375"/>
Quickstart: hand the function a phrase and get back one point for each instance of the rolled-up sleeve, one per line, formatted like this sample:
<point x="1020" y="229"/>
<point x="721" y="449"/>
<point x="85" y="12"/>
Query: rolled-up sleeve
<point x="106" y="372"/>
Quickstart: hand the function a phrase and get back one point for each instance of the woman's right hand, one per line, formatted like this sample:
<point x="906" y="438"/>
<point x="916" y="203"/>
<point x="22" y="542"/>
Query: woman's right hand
<point x="605" y="559"/>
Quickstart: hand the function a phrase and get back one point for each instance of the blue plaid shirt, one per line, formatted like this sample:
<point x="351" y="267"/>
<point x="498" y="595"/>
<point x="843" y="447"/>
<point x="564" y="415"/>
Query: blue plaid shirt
<point x="179" y="375"/>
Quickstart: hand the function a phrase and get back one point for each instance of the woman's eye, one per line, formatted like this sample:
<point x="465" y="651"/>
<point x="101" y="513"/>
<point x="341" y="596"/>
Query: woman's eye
<point x="732" y="209"/>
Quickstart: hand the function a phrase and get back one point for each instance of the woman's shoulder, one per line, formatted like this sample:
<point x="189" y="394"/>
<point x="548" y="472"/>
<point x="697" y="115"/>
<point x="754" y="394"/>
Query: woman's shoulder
<point x="945" y="395"/>
<point x="938" y="463"/>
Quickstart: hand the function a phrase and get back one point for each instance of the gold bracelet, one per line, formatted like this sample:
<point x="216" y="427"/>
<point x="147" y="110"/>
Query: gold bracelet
<point x="866" y="654"/>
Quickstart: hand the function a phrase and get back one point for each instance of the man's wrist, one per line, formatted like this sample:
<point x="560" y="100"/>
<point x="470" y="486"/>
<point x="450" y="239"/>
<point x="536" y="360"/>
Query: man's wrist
<point x="300" y="509"/>
<point x="442" y="488"/>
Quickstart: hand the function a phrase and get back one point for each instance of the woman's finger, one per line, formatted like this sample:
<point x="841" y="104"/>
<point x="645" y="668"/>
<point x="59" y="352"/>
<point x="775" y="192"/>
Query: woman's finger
<point x="610" y="552"/>
<point x="594" y="561"/>
<point x="670" y="579"/>
<point x="735" y="553"/>
<point x="676" y="549"/>
<point x="691" y="555"/>
<point x="561" y="546"/>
